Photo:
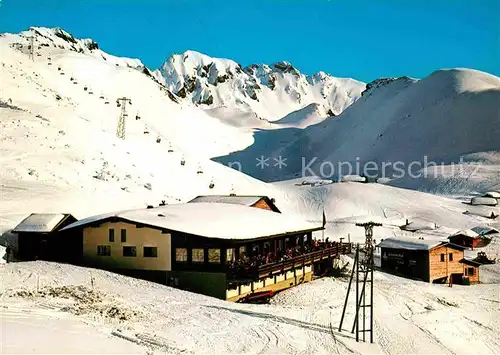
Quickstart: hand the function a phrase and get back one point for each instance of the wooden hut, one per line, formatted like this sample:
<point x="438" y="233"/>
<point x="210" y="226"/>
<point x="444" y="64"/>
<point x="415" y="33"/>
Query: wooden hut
<point x="466" y="238"/>
<point x="426" y="260"/>
<point x="222" y="250"/>
<point x="40" y="237"/>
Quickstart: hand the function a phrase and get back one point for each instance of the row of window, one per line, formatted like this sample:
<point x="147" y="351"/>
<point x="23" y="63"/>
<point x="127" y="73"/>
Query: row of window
<point x="123" y="235"/>
<point x="130" y="251"/>
<point x="198" y="255"/>
<point x="443" y="257"/>
<point x="469" y="271"/>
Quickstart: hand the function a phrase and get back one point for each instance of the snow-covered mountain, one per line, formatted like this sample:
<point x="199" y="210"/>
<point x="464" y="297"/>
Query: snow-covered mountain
<point x="448" y="115"/>
<point x="58" y="124"/>
<point x="60" y="39"/>
<point x="269" y="91"/>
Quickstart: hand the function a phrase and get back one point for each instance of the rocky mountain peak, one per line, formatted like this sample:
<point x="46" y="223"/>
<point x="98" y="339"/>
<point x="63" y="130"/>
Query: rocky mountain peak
<point x="271" y="91"/>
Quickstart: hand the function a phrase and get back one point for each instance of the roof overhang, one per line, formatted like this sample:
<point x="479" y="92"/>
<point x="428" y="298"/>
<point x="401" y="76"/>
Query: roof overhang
<point x="114" y="219"/>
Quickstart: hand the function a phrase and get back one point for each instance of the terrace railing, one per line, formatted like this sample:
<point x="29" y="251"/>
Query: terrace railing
<point x="304" y="259"/>
<point x="256" y="272"/>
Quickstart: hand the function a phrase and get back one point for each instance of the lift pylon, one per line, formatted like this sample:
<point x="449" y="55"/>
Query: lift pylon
<point x="363" y="267"/>
<point x="120" y="129"/>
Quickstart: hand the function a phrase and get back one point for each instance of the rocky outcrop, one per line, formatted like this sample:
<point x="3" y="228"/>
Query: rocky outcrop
<point x="278" y="88"/>
<point x="378" y="83"/>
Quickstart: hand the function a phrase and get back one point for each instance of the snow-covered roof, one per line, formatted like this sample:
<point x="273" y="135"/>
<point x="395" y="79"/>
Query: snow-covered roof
<point x="212" y="220"/>
<point x="485" y="230"/>
<point x="353" y="178"/>
<point x="492" y="194"/>
<point x="39" y="222"/>
<point x="409" y="243"/>
<point x="486" y="201"/>
<point x="237" y="200"/>
<point x="465" y="232"/>
<point x="419" y="225"/>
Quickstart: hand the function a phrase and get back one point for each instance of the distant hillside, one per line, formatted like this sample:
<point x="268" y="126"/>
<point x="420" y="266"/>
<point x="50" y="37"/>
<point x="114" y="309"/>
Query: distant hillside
<point x="443" y="117"/>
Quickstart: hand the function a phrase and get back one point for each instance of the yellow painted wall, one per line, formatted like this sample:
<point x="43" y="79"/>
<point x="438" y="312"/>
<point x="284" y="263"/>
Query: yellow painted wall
<point x="232" y="295"/>
<point x="138" y="237"/>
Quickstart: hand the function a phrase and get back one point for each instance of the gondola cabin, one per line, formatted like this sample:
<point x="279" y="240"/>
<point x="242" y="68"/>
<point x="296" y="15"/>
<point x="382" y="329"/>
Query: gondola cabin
<point x="222" y="250"/>
<point x="40" y="237"/>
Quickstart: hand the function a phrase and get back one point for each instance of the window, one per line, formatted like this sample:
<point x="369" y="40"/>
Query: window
<point x="104" y="250"/>
<point x="451" y="257"/>
<point x="198" y="255"/>
<point x="150" y="252"/>
<point x="243" y="251"/>
<point x="181" y="255"/>
<point x="214" y="256"/>
<point x="230" y="255"/>
<point x="442" y="257"/>
<point x="469" y="271"/>
<point x="129" y="251"/>
<point x="111" y="235"/>
<point x="124" y="235"/>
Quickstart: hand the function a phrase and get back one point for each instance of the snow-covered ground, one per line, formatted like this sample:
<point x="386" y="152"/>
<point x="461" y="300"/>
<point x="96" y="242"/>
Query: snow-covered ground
<point x="109" y="310"/>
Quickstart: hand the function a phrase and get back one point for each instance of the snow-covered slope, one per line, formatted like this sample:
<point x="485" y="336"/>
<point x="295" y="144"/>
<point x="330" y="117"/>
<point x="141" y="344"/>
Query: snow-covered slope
<point x="348" y="203"/>
<point x="307" y="116"/>
<point x="86" y="85"/>
<point x="269" y="91"/>
<point x="447" y="115"/>
<point x="57" y="38"/>
<point x="58" y="123"/>
<point x="410" y="317"/>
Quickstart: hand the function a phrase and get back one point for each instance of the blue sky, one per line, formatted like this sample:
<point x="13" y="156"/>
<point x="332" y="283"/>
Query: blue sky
<point x="350" y="38"/>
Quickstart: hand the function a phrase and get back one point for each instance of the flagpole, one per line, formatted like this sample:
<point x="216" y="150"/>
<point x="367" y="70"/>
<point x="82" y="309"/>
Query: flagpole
<point x="324" y="223"/>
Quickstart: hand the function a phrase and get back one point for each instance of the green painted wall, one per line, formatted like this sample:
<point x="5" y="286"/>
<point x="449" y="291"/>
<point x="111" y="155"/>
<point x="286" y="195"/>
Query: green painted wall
<point x="207" y="283"/>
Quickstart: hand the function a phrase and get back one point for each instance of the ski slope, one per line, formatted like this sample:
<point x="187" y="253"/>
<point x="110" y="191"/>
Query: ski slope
<point x="84" y="87"/>
<point x="410" y="317"/>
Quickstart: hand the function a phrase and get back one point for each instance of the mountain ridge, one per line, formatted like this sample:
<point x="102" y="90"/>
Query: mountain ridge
<point x="215" y="82"/>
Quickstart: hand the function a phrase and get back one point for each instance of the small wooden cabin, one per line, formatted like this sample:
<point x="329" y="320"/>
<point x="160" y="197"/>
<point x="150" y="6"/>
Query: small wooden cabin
<point x="263" y="202"/>
<point x="466" y="238"/>
<point x="40" y="237"/>
<point x="426" y="260"/>
<point x="222" y="250"/>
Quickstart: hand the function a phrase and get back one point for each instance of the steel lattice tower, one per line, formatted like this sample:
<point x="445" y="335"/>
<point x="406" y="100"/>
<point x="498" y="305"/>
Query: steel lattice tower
<point x="363" y="267"/>
<point x="122" y="102"/>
